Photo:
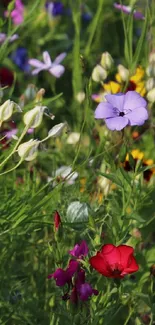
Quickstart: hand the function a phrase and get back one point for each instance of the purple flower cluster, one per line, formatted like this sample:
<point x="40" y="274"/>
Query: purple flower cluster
<point x="74" y="276"/>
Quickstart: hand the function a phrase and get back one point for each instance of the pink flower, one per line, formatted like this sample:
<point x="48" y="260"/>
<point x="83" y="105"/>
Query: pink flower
<point x="17" y="14"/>
<point x="79" y="251"/>
<point x="128" y="10"/>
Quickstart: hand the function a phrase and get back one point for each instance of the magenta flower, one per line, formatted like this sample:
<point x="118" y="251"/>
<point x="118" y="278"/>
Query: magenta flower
<point x="128" y="10"/>
<point x="81" y="289"/>
<point x="121" y="110"/>
<point x="64" y="276"/>
<point x="17" y="14"/>
<point x="55" y="68"/>
<point x="79" y="251"/>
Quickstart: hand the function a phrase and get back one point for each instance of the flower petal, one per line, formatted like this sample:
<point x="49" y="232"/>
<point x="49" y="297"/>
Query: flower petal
<point x="59" y="58"/>
<point x="138" y="116"/>
<point x="116" y="100"/>
<point x="125" y="253"/>
<point x="133" y="100"/>
<point x="111" y="254"/>
<point x="47" y="59"/>
<point x="99" y="264"/>
<point x="117" y="123"/>
<point x="36" y="63"/>
<point x="105" y="110"/>
<point x="133" y="267"/>
<point x="57" y="70"/>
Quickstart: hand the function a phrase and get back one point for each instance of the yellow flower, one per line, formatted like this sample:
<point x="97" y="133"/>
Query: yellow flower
<point x="112" y="87"/>
<point x="136" y="154"/>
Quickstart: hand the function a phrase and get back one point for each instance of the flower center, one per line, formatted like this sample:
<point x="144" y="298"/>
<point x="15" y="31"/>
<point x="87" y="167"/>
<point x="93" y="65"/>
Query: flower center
<point x="121" y="114"/>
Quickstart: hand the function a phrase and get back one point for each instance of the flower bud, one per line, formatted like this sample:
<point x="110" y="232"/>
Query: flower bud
<point x="33" y="118"/>
<point x="106" y="61"/>
<point x="150" y="84"/>
<point x="80" y="97"/>
<point x="151" y="95"/>
<point x="73" y="138"/>
<point x="99" y="73"/>
<point x="57" y="221"/>
<point x="124" y="73"/>
<point x="6" y="111"/>
<point x="28" y="150"/>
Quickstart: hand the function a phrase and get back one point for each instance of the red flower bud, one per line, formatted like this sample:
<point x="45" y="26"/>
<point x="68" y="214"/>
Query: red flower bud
<point x="57" y="221"/>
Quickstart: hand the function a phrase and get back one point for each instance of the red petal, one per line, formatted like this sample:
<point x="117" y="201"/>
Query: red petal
<point x="133" y="267"/>
<point x="125" y="252"/>
<point x="111" y="254"/>
<point x="98" y="263"/>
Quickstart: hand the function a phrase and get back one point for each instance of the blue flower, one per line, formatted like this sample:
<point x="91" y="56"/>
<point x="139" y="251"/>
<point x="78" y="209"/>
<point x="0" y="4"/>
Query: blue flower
<point x="54" y="8"/>
<point x="20" y="58"/>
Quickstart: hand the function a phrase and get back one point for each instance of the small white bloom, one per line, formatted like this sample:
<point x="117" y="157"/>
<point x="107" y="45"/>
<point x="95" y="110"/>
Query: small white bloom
<point x="150" y="84"/>
<point x="57" y="130"/>
<point x="81" y="96"/>
<point x="28" y="150"/>
<point x="73" y="138"/>
<point x="99" y="73"/>
<point x="124" y="73"/>
<point x="151" y="95"/>
<point x="106" y="61"/>
<point x="6" y="111"/>
<point x="65" y="173"/>
<point x="33" y="118"/>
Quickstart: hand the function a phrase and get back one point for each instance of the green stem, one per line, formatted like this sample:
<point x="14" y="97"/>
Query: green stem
<point x="93" y="27"/>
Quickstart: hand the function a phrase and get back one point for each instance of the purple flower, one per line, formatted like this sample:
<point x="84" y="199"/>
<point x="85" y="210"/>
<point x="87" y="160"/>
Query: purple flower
<point x="55" y="68"/>
<point x="82" y="289"/>
<point x="17" y="14"/>
<point x="121" y="110"/>
<point x="128" y="10"/>
<point x="54" y="8"/>
<point x="64" y="276"/>
<point x="79" y="251"/>
<point x="3" y="37"/>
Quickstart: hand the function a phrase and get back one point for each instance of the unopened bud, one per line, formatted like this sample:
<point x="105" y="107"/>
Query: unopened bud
<point x="57" y="221"/>
<point x="80" y="96"/>
<point x="124" y="73"/>
<point x="99" y="74"/>
<point x="33" y="118"/>
<point x="28" y="150"/>
<point x="150" y="84"/>
<point x="6" y="111"/>
<point x="40" y="95"/>
<point x="151" y="95"/>
<point x="73" y="138"/>
<point x="106" y="61"/>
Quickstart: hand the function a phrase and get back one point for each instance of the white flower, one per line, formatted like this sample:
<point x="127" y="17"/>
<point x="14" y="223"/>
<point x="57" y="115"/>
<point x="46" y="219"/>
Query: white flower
<point x="28" y="150"/>
<point x="106" y="61"/>
<point x="33" y="118"/>
<point x="73" y="138"/>
<point x="99" y="73"/>
<point x="6" y="111"/>
<point x="124" y="73"/>
<point x="151" y="95"/>
<point x="65" y="173"/>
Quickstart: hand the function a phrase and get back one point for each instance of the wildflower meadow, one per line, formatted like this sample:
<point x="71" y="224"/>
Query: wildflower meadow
<point x="77" y="162"/>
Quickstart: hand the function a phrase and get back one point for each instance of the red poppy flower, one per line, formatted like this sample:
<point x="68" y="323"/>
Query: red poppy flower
<point x="114" y="262"/>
